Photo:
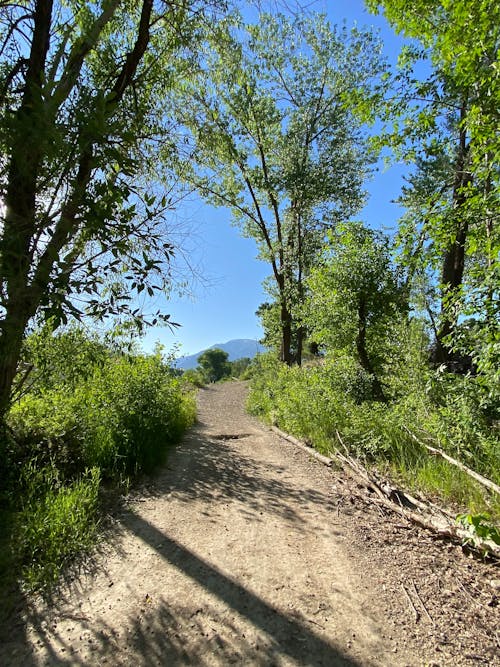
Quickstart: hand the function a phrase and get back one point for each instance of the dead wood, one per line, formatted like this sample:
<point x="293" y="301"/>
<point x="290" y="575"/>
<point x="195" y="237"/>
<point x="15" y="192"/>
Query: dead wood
<point x="421" y="602"/>
<point x="424" y="514"/>
<point x="412" y="606"/>
<point x="326" y="460"/>
<point x="472" y="473"/>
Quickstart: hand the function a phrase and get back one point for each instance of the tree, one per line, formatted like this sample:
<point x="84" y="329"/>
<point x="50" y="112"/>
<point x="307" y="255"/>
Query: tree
<point x="450" y="124"/>
<point x="214" y="364"/>
<point x="274" y="135"/>
<point x="355" y="297"/>
<point x="81" y="86"/>
<point x="239" y="366"/>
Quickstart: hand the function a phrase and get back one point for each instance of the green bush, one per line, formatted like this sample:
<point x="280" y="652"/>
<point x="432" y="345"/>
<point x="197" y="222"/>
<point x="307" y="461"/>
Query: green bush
<point x="134" y="410"/>
<point x="194" y="377"/>
<point x="112" y="417"/>
<point x="121" y="419"/>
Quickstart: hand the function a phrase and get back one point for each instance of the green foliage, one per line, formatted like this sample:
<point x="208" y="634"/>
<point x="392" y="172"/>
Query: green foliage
<point x="84" y="173"/>
<point x="194" y="377"/>
<point x="64" y="359"/>
<point x="134" y="409"/>
<point x="447" y="127"/>
<point x="213" y="365"/>
<point x="121" y="418"/>
<point x="109" y="418"/>
<point x="239" y="367"/>
<point x="56" y="523"/>
<point x="478" y="526"/>
<point x="356" y="270"/>
<point x="333" y="395"/>
<point x="274" y="115"/>
<point x="355" y="298"/>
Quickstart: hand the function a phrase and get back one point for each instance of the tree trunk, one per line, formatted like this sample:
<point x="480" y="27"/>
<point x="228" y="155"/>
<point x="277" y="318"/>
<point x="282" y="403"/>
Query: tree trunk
<point x="300" y="346"/>
<point x="454" y="259"/>
<point x="363" y="357"/>
<point x="11" y="339"/>
<point x="286" y="334"/>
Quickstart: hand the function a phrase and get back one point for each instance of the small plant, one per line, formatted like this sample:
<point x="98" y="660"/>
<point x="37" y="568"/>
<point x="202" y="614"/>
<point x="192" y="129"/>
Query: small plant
<point x="477" y="527"/>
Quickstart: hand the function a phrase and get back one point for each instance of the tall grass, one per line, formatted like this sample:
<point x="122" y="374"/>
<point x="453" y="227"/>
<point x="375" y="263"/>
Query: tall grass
<point x="314" y="402"/>
<point x="57" y="522"/>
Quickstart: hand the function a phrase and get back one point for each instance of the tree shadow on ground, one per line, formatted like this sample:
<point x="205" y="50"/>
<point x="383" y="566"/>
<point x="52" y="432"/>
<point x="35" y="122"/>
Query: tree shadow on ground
<point x="218" y="471"/>
<point x="215" y="470"/>
<point x="166" y="633"/>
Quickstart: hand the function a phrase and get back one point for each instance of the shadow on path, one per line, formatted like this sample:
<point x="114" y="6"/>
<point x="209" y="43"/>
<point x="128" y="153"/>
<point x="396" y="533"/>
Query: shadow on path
<point x="289" y="636"/>
<point x="211" y="470"/>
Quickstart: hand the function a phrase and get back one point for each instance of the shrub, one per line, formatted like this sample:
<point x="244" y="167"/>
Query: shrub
<point x="121" y="419"/>
<point x="112" y="417"/>
<point x="134" y="409"/>
<point x="193" y="377"/>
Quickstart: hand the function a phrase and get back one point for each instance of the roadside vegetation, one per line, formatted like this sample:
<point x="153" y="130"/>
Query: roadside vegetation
<point x="91" y="417"/>
<point x="329" y="404"/>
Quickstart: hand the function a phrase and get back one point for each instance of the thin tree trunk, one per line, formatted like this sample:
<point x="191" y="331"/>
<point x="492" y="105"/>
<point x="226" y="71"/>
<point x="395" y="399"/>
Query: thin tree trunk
<point x="363" y="357"/>
<point x="286" y="334"/>
<point x="454" y="259"/>
<point x="300" y="346"/>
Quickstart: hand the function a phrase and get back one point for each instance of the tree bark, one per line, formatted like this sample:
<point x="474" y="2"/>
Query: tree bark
<point x="363" y="357"/>
<point x="454" y="259"/>
<point x="300" y="345"/>
<point x="286" y="334"/>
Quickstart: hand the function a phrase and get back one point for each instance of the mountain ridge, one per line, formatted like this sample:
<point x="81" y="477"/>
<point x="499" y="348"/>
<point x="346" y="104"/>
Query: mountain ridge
<point x="237" y="348"/>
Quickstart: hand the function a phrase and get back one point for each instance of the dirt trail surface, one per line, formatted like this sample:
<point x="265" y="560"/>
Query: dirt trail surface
<point x="245" y="551"/>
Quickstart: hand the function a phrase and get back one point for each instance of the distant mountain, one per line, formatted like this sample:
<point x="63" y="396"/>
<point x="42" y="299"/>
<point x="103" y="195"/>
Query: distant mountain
<point x="236" y="349"/>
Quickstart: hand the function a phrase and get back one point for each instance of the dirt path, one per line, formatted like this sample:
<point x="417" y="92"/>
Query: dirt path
<point x="245" y="551"/>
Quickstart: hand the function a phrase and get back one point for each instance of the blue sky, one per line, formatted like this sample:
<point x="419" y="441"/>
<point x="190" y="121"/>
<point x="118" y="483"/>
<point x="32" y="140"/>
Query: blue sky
<point x="225" y="277"/>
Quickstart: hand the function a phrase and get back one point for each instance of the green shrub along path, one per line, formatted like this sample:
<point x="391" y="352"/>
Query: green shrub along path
<point x="243" y="550"/>
<point x="94" y="419"/>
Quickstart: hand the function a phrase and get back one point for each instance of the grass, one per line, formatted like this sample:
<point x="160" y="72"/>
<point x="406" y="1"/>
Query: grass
<point x="314" y="403"/>
<point x="56" y="524"/>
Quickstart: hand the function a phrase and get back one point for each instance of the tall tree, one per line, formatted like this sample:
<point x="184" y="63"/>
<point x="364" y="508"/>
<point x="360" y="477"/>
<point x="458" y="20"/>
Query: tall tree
<point x="451" y="124"/>
<point x="81" y="115"/>
<point x="355" y="297"/>
<point x="275" y="137"/>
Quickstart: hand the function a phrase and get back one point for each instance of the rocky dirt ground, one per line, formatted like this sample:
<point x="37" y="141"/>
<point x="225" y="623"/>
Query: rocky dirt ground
<point x="246" y="551"/>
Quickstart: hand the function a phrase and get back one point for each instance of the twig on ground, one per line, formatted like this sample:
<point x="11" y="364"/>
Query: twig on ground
<point x="422" y="602"/>
<point x="415" y="610"/>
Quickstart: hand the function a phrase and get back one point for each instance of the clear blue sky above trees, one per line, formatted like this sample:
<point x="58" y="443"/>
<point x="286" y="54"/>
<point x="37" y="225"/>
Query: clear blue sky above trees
<point x="223" y="275"/>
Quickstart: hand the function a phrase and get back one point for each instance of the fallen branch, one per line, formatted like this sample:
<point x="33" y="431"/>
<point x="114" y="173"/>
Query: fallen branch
<point x="415" y="610"/>
<point x="425" y="515"/>
<point x="326" y="460"/>
<point x="421" y="602"/>
<point x="385" y="490"/>
<point x="472" y="473"/>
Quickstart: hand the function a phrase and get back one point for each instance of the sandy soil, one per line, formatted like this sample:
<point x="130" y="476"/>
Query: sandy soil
<point x="246" y="551"/>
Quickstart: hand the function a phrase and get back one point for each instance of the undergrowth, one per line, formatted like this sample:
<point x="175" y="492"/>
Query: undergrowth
<point x="446" y="411"/>
<point x="92" y="416"/>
